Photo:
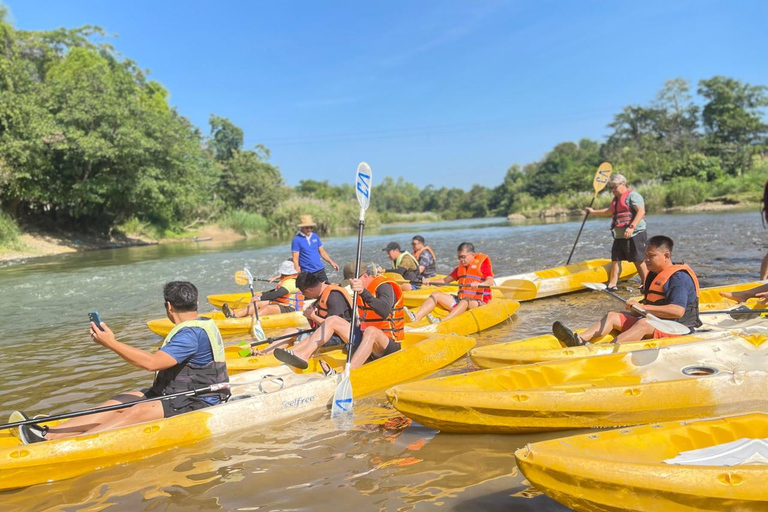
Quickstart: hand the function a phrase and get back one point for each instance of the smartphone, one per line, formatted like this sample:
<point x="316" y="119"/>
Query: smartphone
<point x="95" y="318"/>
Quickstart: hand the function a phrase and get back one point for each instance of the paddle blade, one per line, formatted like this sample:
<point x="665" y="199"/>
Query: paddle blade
<point x="342" y="398"/>
<point x="518" y="289"/>
<point x="363" y="181"/>
<point x="241" y="278"/>
<point x="602" y="176"/>
<point x="256" y="329"/>
<point x="595" y="286"/>
<point x="245" y="352"/>
<point x="248" y="274"/>
<point x="667" y="326"/>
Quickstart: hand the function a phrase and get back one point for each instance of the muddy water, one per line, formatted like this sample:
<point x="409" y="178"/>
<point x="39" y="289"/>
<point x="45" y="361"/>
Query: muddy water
<point x="48" y="365"/>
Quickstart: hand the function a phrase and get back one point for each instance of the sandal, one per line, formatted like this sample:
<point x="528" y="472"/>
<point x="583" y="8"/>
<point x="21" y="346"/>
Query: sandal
<point x="227" y="312"/>
<point x="327" y="370"/>
<point x="567" y="336"/>
<point x="291" y="359"/>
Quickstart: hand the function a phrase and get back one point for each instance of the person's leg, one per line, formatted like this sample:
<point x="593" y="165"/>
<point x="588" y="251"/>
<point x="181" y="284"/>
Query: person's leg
<point x="374" y="342"/>
<point x="332" y="325"/>
<point x="642" y="271"/>
<point x="406" y="287"/>
<point x="429" y="305"/>
<point x="76" y="426"/>
<point x="617" y="255"/>
<point x="743" y="295"/>
<point x="139" y="413"/>
<point x="639" y="330"/>
<point x="613" y="320"/>
<point x="462" y="306"/>
<point x="248" y="310"/>
<point x="764" y="268"/>
<point x="269" y="309"/>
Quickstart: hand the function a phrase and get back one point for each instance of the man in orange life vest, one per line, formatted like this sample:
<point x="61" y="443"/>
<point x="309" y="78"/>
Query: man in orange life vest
<point x="284" y="298"/>
<point x="382" y="322"/>
<point x="671" y="292"/>
<point x="474" y="270"/>
<point x="628" y="228"/>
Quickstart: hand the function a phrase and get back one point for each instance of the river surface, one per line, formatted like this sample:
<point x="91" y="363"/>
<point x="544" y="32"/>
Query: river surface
<point x="49" y="365"/>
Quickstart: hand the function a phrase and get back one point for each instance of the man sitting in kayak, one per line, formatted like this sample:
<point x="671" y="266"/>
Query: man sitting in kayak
<point x="381" y="328"/>
<point x="671" y="292"/>
<point x="191" y="357"/>
<point x="405" y="264"/>
<point x="425" y="256"/>
<point x="284" y="298"/>
<point x="474" y="270"/>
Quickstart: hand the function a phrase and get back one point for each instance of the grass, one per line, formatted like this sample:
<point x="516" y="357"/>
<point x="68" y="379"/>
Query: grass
<point x="10" y="234"/>
<point x="245" y="223"/>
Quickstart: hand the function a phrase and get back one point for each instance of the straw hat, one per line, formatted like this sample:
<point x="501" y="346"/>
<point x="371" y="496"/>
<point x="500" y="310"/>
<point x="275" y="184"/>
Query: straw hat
<point x="306" y="221"/>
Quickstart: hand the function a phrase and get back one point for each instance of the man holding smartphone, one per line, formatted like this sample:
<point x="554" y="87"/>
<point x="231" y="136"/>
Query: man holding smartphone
<point x="191" y="357"/>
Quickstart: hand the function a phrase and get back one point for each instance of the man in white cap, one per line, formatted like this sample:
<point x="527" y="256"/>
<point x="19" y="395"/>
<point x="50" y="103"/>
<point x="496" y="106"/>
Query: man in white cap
<point x="308" y="252"/>
<point x="284" y="298"/>
<point x="628" y="229"/>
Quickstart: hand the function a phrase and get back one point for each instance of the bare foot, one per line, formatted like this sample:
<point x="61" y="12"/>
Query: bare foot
<point x="737" y="296"/>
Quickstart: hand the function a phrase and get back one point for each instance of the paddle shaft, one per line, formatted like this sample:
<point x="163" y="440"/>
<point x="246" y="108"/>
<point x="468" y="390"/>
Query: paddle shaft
<point x="283" y="337"/>
<point x="580" y="230"/>
<point x="636" y="309"/>
<point x="734" y="312"/>
<point x="358" y="259"/>
<point x="210" y="389"/>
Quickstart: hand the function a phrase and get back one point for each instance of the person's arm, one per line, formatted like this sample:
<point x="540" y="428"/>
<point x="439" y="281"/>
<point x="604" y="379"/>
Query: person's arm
<point x="639" y="215"/>
<point x="603" y="212"/>
<point x="327" y="258"/>
<point x="679" y="289"/>
<point x="274" y="294"/>
<point x="382" y="302"/>
<point x="295" y="258"/>
<point x="140" y="358"/>
<point x="669" y="311"/>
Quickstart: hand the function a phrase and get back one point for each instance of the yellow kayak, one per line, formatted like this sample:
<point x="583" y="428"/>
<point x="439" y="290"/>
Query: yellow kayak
<point x="547" y="348"/>
<point x="237" y="326"/>
<point x="235" y="300"/>
<point x="469" y="322"/>
<point x="709" y="465"/>
<point x="262" y="396"/>
<point x="706" y="378"/>
<point x="549" y="282"/>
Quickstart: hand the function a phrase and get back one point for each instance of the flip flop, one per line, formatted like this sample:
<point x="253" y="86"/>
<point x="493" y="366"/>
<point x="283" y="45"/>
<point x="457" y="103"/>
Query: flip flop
<point x="567" y="336"/>
<point x="327" y="370"/>
<point x="289" y="358"/>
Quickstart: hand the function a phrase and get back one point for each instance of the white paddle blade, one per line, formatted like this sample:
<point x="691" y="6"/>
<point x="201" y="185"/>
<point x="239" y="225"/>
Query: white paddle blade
<point x="363" y="180"/>
<point x="342" y="398"/>
<point x="667" y="326"/>
<point x="595" y="286"/>
<point x="256" y="330"/>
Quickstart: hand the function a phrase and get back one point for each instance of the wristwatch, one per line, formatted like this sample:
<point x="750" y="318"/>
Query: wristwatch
<point x="631" y="226"/>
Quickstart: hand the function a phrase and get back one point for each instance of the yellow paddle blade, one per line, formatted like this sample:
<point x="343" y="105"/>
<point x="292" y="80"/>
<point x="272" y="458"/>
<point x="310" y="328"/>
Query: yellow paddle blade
<point x="601" y="177"/>
<point x="518" y="289"/>
<point x="241" y="278"/>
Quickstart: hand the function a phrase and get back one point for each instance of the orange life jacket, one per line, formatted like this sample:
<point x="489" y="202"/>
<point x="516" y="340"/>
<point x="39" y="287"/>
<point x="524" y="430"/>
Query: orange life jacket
<point x="294" y="297"/>
<point x="321" y="304"/>
<point x="654" y="294"/>
<point x="622" y="213"/>
<point x="430" y="270"/>
<point x="470" y="273"/>
<point x="394" y="324"/>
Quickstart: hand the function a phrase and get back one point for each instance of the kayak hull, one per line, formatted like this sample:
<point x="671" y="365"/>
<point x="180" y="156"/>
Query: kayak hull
<point x="624" y="470"/>
<point x="237" y="326"/>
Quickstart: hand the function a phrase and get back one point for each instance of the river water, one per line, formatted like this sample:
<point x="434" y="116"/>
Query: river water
<point x="49" y="365"/>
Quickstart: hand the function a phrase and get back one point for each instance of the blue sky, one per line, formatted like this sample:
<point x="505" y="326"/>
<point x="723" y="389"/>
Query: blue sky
<point x="439" y="92"/>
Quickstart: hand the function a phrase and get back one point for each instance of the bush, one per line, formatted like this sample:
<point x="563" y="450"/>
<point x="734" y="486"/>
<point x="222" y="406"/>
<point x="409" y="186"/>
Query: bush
<point x="10" y="235"/>
<point x="330" y="216"/>
<point x="245" y="222"/>
<point x="654" y="195"/>
<point x="686" y="192"/>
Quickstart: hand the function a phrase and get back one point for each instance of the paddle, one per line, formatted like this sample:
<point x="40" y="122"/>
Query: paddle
<point x="519" y="289"/>
<point x="342" y="398"/>
<point x="256" y="329"/>
<point x="247" y="352"/>
<point x="241" y="278"/>
<point x="743" y="311"/>
<point x="598" y="183"/>
<point x="665" y="326"/>
<point x="76" y="414"/>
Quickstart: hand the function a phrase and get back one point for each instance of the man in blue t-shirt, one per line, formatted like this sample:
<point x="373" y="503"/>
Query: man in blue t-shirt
<point x="189" y="359"/>
<point x="308" y="252"/>
<point x="671" y="293"/>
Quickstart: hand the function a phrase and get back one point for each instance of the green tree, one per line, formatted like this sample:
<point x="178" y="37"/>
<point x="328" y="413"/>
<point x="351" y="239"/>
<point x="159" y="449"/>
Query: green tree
<point x="226" y="138"/>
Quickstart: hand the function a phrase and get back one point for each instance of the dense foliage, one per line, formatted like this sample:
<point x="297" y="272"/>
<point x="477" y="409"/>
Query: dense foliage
<point x="88" y="142"/>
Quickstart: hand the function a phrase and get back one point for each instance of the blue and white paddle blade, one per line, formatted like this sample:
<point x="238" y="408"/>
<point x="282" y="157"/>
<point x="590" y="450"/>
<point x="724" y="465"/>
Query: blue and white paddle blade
<point x="342" y="399"/>
<point x="256" y="330"/>
<point x="363" y="182"/>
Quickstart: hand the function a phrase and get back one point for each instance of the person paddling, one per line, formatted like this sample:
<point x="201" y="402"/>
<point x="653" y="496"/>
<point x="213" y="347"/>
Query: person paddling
<point x="382" y="323"/>
<point x="425" y="256"/>
<point x="474" y="270"/>
<point x="671" y="292"/>
<point x="191" y="357"/>
<point x="284" y="298"/>
<point x="307" y="250"/>
<point x="405" y="264"/>
<point x="628" y="228"/>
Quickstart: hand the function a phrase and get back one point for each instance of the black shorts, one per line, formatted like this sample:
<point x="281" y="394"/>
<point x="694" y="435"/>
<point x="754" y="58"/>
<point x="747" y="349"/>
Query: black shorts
<point x="320" y="274"/>
<point x="392" y="347"/>
<point x="283" y="307"/>
<point x="629" y="250"/>
<point x="179" y="404"/>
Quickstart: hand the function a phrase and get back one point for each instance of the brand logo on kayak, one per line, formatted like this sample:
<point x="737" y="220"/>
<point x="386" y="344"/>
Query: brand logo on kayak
<point x="298" y="402"/>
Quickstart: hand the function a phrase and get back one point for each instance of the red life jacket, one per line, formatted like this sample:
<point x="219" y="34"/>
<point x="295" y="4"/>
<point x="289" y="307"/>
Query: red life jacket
<point x="394" y="324"/>
<point x="470" y="273"/>
<point x="655" y="296"/>
<point x="622" y="213"/>
<point x="321" y="304"/>
<point x="292" y="298"/>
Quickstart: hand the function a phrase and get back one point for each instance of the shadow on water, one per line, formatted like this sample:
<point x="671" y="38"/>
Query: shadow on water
<point x="50" y="365"/>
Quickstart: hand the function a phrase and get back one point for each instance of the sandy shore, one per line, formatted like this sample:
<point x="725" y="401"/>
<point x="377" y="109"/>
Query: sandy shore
<point x="45" y="244"/>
